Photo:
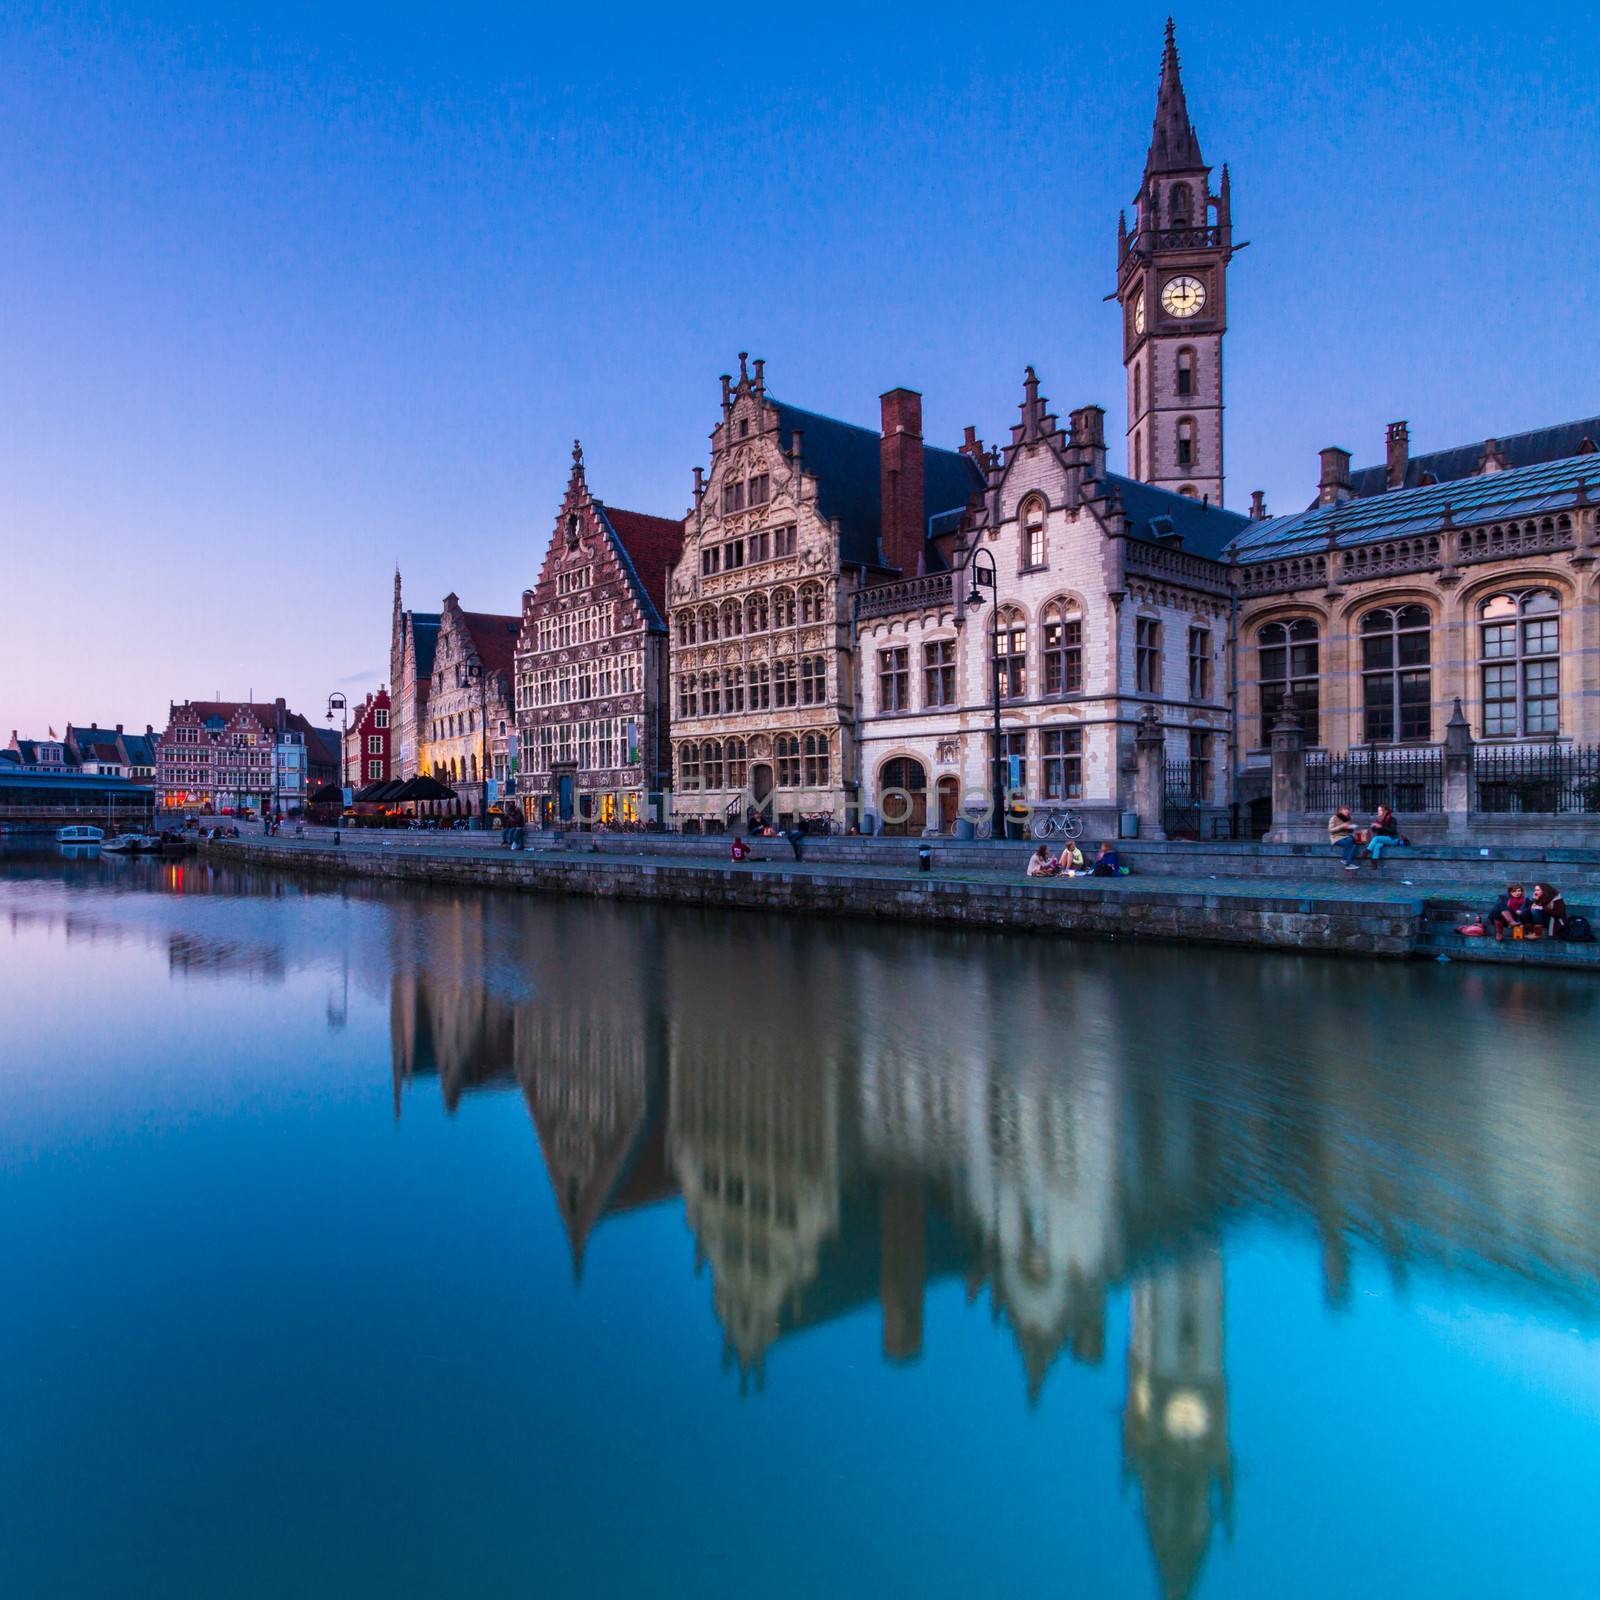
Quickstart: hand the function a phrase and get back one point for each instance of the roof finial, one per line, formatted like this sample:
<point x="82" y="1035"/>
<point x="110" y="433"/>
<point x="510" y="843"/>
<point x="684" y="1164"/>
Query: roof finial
<point x="577" y="456"/>
<point x="744" y="371"/>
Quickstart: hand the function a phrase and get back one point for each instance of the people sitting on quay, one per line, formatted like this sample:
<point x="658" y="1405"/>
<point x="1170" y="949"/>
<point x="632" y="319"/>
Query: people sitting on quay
<point x="1512" y="914"/>
<point x="1041" y="864"/>
<point x="1344" y="837"/>
<point x="1071" y="863"/>
<point x="1547" y="913"/>
<point x="742" y="851"/>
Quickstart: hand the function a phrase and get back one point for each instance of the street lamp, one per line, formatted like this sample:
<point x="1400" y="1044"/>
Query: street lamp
<point x="991" y="577"/>
<point x="476" y="674"/>
<point x="337" y="702"/>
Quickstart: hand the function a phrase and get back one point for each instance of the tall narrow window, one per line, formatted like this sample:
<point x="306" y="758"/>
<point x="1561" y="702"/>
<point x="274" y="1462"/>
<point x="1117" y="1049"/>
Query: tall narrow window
<point x="811" y="599"/>
<point x="785" y="682"/>
<point x="1199" y="764"/>
<point x="783" y="612"/>
<point x="1147" y="655"/>
<point x="1186" y="442"/>
<point x="1063" y="764"/>
<point x="816" y="758"/>
<point x="689" y="766"/>
<point x="813" y="680"/>
<point x="711" y="764"/>
<point x="1520" y="659"/>
<point x="1011" y="655"/>
<point x="1182" y="209"/>
<point x="1186" y="371"/>
<point x="736" y="762"/>
<point x="786" y="747"/>
<point x="1033" y="534"/>
<point x="894" y="679"/>
<point x="939" y="673"/>
<point x="1396" y="690"/>
<point x="1199" y="663"/>
<point x="755" y="613"/>
<point x="732" y="619"/>
<point x="1062" y="640"/>
<point x="1137" y="390"/>
<point x="1288" y="662"/>
<point x="760" y="689"/>
<point x="1138" y="455"/>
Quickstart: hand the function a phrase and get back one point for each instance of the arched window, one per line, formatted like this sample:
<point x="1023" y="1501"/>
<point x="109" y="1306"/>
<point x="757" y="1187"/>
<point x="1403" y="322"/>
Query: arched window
<point x="737" y="765"/>
<point x="1186" y="371"/>
<point x="732" y="619"/>
<point x="1519" y="654"/>
<point x="1032" y="520"/>
<point x="708" y="622"/>
<point x="732" y="689"/>
<point x="1182" y="205"/>
<point x="817" y="763"/>
<point x="1137" y="389"/>
<point x="755" y="613"/>
<point x="1185" y="441"/>
<point x="786" y="750"/>
<point x="811" y="602"/>
<point x="1061" y="641"/>
<point x="783" y="612"/>
<point x="1396" y="685"/>
<point x="689" y="766"/>
<point x="688" y="696"/>
<point x="1289" y="674"/>
<point x="760" y="687"/>
<point x="686" y="627"/>
<point x="1138" y="455"/>
<point x="710" y="694"/>
<point x="711" y="764"/>
<point x="1010" y="647"/>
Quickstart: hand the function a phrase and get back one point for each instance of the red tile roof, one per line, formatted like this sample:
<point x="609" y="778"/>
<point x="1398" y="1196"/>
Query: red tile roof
<point x="495" y="639"/>
<point x="653" y="545"/>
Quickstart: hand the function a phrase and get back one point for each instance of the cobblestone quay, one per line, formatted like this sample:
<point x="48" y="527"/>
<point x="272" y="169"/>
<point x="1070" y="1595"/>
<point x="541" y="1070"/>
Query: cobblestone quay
<point x="1254" y="914"/>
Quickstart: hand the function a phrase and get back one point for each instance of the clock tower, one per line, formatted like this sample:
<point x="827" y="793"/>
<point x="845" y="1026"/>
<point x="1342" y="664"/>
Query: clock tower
<point x="1171" y="286"/>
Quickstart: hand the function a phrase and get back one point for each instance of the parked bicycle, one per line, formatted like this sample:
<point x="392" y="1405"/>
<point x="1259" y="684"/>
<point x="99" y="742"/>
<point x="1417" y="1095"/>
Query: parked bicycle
<point x="1062" y="824"/>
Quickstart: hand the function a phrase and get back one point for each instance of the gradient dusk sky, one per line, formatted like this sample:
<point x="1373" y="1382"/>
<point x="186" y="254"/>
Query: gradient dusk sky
<point x="288" y="298"/>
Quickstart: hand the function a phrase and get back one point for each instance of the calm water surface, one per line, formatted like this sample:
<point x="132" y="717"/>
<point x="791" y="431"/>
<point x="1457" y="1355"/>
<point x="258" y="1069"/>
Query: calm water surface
<point x="368" y="1242"/>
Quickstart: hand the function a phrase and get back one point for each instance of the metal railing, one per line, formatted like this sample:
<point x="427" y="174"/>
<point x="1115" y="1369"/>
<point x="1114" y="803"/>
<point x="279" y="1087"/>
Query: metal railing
<point x="1407" y="781"/>
<point x="1551" y="779"/>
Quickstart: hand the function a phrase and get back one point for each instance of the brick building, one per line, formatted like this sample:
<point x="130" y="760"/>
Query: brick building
<point x="366" y="744"/>
<point x="591" y="663"/>
<point x="233" y="755"/>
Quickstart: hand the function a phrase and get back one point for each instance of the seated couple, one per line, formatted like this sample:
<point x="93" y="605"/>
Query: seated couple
<point x="1349" y="840"/>
<point x="1107" y="864"/>
<point x="1543" y="916"/>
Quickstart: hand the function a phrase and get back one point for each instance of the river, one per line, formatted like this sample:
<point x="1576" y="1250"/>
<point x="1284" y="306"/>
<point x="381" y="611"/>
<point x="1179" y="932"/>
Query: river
<point x="372" y="1241"/>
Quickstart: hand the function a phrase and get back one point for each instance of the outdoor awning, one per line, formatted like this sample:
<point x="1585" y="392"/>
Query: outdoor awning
<point x="424" y="789"/>
<point x="327" y="793"/>
<point x="382" y="790"/>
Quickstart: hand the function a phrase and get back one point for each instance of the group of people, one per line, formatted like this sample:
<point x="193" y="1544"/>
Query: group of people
<point x="1071" y="863"/>
<point x="1541" y="915"/>
<point x="1349" y="839"/>
<point x="513" y="826"/>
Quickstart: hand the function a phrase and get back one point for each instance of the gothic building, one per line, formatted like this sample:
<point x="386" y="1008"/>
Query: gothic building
<point x="413" y="636"/>
<point x="469" y="706"/>
<point x="591" y="664"/>
<point x="797" y="512"/>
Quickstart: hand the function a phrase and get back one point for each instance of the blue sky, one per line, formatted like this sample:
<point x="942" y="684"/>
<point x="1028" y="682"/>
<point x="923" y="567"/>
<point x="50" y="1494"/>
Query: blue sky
<point x="288" y="297"/>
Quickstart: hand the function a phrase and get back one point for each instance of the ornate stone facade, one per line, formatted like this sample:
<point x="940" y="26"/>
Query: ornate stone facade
<point x="412" y="638"/>
<point x="796" y="511"/>
<point x="469" y="700"/>
<point x="591" y="665"/>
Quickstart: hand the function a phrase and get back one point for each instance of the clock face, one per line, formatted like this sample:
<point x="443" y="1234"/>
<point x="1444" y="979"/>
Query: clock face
<point x="1183" y="297"/>
<point x="1138" y="316"/>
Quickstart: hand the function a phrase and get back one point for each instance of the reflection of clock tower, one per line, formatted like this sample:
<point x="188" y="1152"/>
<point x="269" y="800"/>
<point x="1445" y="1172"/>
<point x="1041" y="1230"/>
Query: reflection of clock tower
<point x="1171" y="274"/>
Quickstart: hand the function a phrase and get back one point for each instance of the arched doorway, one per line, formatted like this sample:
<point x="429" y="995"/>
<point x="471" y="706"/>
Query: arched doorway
<point x="903" y="797"/>
<point x="948" y="790"/>
<point x="761" y="788"/>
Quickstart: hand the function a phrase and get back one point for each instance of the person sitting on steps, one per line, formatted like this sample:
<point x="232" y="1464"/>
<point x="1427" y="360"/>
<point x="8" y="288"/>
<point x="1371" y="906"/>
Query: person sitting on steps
<point x="1547" y="912"/>
<point x="1041" y="864"/>
<point x="1384" y="832"/>
<point x="1342" y="836"/>
<point x="1511" y="911"/>
<point x="1071" y="862"/>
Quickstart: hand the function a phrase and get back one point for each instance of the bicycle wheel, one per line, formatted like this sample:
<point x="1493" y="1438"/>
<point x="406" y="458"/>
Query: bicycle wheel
<point x="982" y="830"/>
<point x="1043" y="825"/>
<point x="1072" y="825"/>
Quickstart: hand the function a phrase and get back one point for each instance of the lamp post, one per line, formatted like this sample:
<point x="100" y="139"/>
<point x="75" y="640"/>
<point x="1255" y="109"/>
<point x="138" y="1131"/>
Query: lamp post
<point x="337" y="702"/>
<point x="476" y="674"/>
<point x="991" y="576"/>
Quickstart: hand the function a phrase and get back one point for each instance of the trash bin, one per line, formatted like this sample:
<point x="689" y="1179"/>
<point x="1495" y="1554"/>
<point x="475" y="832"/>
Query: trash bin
<point x="924" y="858"/>
<point x="1130" y="825"/>
<point x="964" y="828"/>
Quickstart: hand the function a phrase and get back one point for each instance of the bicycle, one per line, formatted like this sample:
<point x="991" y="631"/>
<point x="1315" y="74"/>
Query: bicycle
<point x="1063" y="824"/>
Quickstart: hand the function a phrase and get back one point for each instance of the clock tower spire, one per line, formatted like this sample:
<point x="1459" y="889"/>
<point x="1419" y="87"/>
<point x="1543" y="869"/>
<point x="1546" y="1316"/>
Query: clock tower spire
<point x="1172" y="288"/>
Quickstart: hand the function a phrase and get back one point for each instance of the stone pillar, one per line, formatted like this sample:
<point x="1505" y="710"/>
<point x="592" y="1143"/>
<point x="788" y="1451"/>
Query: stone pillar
<point x="1149" y="780"/>
<point x="1288" y="773"/>
<point x="1457" y="776"/>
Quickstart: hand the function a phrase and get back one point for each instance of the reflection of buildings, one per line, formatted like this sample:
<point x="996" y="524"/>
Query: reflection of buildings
<point x="852" y="1121"/>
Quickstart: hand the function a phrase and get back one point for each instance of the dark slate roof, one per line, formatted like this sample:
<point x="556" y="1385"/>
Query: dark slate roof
<point x="1159" y="516"/>
<point x="10" y="757"/>
<point x="322" y="746"/>
<point x="141" y="748"/>
<point x="425" y="636"/>
<point x="650" y="545"/>
<point x="1552" y="486"/>
<point x="1463" y="460"/>
<point x="847" y="463"/>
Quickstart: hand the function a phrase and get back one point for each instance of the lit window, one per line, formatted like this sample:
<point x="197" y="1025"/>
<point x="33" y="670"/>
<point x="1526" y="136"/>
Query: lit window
<point x="1520" y="662"/>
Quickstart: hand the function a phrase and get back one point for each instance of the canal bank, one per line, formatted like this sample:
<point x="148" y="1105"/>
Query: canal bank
<point x="1341" y="920"/>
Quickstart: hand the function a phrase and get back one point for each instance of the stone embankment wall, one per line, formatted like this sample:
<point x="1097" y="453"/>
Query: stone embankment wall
<point x="1123" y="909"/>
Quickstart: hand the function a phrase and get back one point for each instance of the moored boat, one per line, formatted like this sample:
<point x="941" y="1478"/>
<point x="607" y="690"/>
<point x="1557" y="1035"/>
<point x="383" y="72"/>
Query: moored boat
<point x="132" y="844"/>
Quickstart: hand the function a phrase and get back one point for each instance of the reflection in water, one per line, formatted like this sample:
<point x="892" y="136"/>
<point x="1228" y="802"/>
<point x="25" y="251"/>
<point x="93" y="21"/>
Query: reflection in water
<point x="846" y="1127"/>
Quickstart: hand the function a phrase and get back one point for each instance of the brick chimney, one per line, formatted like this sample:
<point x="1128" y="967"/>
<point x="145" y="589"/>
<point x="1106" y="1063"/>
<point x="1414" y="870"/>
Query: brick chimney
<point x="1399" y="453"/>
<point x="1334" y="484"/>
<point x="1258" y="505"/>
<point x="904" y="521"/>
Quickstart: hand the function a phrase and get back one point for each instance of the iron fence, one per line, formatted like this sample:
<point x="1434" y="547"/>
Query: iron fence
<point x="1540" y="778"/>
<point x="1407" y="781"/>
